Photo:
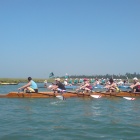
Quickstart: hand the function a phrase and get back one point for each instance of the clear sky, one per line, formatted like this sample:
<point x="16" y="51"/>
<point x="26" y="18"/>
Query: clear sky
<point x="69" y="36"/>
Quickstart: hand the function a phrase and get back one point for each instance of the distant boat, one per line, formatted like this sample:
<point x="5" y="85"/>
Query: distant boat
<point x="8" y="83"/>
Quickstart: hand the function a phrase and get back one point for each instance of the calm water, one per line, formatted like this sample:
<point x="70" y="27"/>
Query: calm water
<point x="73" y="119"/>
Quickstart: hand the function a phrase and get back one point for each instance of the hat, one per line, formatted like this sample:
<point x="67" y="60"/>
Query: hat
<point x="57" y="79"/>
<point x="85" y="79"/>
<point x="135" y="78"/>
<point x="29" y="78"/>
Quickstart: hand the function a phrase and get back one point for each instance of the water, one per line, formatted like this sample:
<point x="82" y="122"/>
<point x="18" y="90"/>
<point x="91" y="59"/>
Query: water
<point x="72" y="119"/>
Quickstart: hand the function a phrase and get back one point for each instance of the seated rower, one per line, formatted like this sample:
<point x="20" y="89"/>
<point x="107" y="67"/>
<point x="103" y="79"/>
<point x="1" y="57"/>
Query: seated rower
<point x="65" y="82"/>
<point x="45" y="83"/>
<point x="112" y="86"/>
<point x="59" y="87"/>
<point x="97" y="82"/>
<point x="86" y="86"/>
<point x="136" y="85"/>
<point x="31" y="86"/>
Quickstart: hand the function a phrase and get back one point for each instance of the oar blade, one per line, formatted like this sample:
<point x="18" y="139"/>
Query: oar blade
<point x="60" y="97"/>
<point x="129" y="98"/>
<point x="96" y="96"/>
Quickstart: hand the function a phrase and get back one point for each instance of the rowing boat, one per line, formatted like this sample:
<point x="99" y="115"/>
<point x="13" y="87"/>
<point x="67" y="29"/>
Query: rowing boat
<point x="8" y="83"/>
<point x="66" y="95"/>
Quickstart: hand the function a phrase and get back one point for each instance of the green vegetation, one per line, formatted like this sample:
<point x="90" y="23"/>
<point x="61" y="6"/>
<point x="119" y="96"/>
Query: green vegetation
<point x="50" y="80"/>
<point x="119" y="76"/>
<point x="22" y="80"/>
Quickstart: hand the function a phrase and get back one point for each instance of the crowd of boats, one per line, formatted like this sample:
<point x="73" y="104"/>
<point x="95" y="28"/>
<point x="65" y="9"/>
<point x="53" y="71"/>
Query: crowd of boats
<point x="92" y="83"/>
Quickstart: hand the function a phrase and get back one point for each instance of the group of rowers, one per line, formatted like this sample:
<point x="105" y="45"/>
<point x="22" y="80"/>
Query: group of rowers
<point x="58" y="86"/>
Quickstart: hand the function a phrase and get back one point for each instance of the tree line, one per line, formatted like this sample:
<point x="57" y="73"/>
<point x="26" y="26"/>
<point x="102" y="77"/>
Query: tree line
<point x="114" y="76"/>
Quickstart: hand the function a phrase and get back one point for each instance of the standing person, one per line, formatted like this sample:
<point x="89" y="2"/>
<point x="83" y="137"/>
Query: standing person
<point x="136" y="85"/>
<point x="31" y="86"/>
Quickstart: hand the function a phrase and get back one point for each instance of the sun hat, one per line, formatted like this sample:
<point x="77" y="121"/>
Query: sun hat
<point x="135" y="78"/>
<point x="85" y="79"/>
<point x="57" y="79"/>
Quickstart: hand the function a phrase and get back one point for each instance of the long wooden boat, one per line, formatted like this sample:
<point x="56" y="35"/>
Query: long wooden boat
<point x="67" y="95"/>
<point x="8" y="83"/>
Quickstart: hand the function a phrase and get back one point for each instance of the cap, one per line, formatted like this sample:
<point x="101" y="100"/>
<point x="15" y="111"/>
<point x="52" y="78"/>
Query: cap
<point x="135" y="78"/>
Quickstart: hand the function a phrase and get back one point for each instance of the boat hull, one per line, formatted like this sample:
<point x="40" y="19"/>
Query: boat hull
<point x="66" y="95"/>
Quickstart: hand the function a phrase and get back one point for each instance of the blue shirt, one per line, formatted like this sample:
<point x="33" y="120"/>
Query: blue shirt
<point x="33" y="85"/>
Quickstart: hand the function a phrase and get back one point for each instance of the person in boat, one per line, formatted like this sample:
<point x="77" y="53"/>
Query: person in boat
<point x="86" y="86"/>
<point x="70" y="82"/>
<point x="80" y="80"/>
<point x="76" y="81"/>
<point x="59" y="87"/>
<point x="97" y="82"/>
<point x="136" y="85"/>
<point x="120" y="82"/>
<point x="65" y="82"/>
<point x="31" y="86"/>
<point x="45" y="83"/>
<point x="112" y="86"/>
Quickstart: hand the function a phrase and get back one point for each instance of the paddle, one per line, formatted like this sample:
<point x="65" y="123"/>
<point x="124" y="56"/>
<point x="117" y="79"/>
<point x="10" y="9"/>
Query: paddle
<point x="61" y="97"/>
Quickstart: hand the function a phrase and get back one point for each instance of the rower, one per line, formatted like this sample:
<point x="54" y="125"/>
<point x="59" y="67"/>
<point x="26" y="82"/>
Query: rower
<point x="31" y="86"/>
<point x="136" y="85"/>
<point x="59" y="87"/>
<point x="70" y="82"/>
<point x="45" y="83"/>
<point x="86" y="86"/>
<point x="112" y="86"/>
<point x="97" y="82"/>
<point x="65" y="82"/>
<point x="76" y="81"/>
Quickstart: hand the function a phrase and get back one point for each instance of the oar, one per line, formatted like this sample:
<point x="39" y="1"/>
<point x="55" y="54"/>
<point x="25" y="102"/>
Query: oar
<point x="61" y="97"/>
<point x="99" y="96"/>
<point x="96" y="96"/>
<point x="129" y="98"/>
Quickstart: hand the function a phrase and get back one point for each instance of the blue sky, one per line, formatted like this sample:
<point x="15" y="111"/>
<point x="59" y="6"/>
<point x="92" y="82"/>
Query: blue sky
<point x="69" y="36"/>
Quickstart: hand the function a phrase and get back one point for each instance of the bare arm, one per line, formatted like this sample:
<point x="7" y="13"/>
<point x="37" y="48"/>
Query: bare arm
<point x="27" y="85"/>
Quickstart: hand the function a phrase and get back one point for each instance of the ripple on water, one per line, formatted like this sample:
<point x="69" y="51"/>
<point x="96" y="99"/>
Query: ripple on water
<point x="74" y="118"/>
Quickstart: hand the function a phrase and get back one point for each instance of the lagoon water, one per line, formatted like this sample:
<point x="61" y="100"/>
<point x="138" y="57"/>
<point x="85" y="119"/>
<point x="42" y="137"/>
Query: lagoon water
<point x="72" y="119"/>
